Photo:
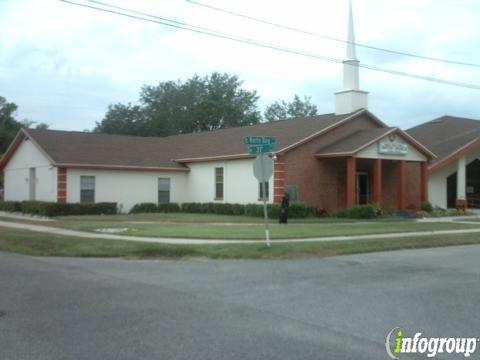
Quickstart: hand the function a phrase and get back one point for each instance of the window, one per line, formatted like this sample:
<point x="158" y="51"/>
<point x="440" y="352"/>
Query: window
<point x="163" y="190"/>
<point x="219" y="183"/>
<point x="87" y="189"/>
<point x="260" y="190"/>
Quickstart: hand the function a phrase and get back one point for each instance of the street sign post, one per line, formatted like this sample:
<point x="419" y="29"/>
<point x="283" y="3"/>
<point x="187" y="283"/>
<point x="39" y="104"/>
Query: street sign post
<point x="262" y="168"/>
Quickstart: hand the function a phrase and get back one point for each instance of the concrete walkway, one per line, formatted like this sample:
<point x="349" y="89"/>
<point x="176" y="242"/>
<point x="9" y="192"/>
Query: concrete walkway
<point x="66" y="232"/>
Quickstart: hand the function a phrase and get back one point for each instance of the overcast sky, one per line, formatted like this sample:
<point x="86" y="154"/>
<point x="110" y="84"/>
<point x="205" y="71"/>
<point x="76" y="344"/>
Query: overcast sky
<point x="63" y="64"/>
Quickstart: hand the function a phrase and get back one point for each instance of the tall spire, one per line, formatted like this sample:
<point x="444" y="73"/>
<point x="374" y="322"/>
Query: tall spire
<point x="351" y="53"/>
<point x="351" y="98"/>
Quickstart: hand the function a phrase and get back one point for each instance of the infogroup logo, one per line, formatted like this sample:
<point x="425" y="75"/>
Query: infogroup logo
<point x="396" y="343"/>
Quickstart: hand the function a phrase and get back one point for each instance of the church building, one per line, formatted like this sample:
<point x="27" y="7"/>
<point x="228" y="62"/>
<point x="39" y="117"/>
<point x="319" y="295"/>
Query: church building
<point x="328" y="161"/>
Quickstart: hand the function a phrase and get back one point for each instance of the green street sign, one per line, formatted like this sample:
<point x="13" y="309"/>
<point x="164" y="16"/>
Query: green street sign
<point x="259" y="149"/>
<point x="260" y="140"/>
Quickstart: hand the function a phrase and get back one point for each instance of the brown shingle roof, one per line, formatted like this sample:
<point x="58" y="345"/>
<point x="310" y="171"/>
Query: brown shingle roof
<point x="80" y="148"/>
<point x="352" y="143"/>
<point x="446" y="134"/>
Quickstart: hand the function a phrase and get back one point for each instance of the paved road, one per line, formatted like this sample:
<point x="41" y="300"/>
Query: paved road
<point x="165" y="240"/>
<point x="334" y="308"/>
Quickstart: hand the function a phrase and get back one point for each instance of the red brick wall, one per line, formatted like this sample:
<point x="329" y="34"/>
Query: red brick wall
<point x="278" y="178"/>
<point x="413" y="192"/>
<point x="389" y="184"/>
<point x="321" y="182"/>
<point x="62" y="185"/>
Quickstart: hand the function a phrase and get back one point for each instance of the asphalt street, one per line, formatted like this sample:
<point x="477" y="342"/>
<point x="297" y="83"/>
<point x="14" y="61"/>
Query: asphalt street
<point x="331" y="308"/>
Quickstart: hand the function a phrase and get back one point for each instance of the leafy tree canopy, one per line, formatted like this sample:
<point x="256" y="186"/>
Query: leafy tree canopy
<point x="205" y="103"/>
<point x="280" y="110"/>
<point x="8" y="125"/>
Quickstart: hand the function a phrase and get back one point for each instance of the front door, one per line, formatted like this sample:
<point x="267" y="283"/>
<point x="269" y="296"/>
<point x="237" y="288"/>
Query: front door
<point x="362" y="188"/>
<point x="32" y="182"/>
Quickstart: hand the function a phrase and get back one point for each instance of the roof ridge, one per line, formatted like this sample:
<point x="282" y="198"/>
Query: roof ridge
<point x="28" y="130"/>
<point x="297" y="118"/>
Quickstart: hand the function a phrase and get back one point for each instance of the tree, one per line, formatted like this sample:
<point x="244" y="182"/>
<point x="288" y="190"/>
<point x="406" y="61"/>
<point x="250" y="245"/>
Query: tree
<point x="212" y="102"/>
<point x="280" y="110"/>
<point x="8" y="125"/>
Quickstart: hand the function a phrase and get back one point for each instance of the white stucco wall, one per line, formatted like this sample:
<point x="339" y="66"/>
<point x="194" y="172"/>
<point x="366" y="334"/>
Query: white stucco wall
<point x="240" y="186"/>
<point x="437" y="185"/>
<point x="17" y="175"/>
<point x="126" y="188"/>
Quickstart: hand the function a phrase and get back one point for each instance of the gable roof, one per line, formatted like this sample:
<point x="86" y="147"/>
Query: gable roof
<point x="93" y="150"/>
<point x="353" y="142"/>
<point x="82" y="149"/>
<point x="446" y="137"/>
<point x="359" y="140"/>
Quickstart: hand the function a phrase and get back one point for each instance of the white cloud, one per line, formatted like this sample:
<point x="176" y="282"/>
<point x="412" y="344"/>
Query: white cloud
<point x="63" y="64"/>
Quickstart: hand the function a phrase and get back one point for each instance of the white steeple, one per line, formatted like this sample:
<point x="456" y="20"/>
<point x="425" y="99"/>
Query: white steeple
<point x="351" y="98"/>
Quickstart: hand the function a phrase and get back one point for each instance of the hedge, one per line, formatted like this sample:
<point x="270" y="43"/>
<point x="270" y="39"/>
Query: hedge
<point x="41" y="208"/>
<point x="155" y="208"/>
<point x="367" y="211"/>
<point x="44" y="208"/>
<point x="296" y="210"/>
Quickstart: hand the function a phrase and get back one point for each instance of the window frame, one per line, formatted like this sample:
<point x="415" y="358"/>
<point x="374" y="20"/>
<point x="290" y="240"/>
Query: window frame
<point x="164" y="191"/>
<point x="90" y="199"/>
<point x="219" y="183"/>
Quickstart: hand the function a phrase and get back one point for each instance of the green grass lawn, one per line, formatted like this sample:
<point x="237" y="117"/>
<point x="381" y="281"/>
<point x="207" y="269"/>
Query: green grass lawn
<point x="39" y="244"/>
<point x="207" y="226"/>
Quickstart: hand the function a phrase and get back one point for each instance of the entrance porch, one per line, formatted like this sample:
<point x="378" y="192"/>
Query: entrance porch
<point x="385" y="183"/>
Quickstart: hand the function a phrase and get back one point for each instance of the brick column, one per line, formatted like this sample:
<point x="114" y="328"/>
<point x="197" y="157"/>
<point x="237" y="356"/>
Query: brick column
<point x="423" y="181"/>
<point x="62" y="185"/>
<point x="351" y="190"/>
<point x="401" y="185"/>
<point x="377" y="182"/>
<point x="278" y="179"/>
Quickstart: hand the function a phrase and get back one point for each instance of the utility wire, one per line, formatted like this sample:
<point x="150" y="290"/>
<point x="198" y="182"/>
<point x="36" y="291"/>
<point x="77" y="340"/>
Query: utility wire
<point x="214" y="33"/>
<point x="306" y="32"/>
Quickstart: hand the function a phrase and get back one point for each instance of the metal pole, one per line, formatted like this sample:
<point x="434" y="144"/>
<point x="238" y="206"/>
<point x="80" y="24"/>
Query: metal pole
<point x="265" y="211"/>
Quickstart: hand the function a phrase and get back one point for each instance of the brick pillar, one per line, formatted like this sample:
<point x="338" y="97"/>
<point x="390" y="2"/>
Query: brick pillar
<point x="351" y="190"/>
<point x="62" y="185"/>
<point x="423" y="181"/>
<point x="401" y="185"/>
<point x="377" y="182"/>
<point x="278" y="179"/>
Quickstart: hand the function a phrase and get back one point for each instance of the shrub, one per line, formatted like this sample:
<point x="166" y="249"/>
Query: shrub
<point x="388" y="211"/>
<point x="44" y="208"/>
<point x="368" y="211"/>
<point x="340" y="213"/>
<point x="426" y="206"/>
<point x="297" y="210"/>
<point x="256" y="210"/>
<point x="144" y="208"/>
<point x="10" y="206"/>
<point x="422" y="214"/>
<point x="192" y="208"/>
<point x="362" y="212"/>
<point x="168" y="208"/>
<point x="300" y="211"/>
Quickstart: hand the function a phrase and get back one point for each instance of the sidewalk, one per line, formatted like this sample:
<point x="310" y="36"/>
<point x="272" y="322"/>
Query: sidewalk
<point x="180" y="241"/>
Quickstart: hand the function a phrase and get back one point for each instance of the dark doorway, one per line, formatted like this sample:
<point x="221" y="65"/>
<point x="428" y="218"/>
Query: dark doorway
<point x="362" y="188"/>
<point x="452" y="190"/>
<point x="473" y="184"/>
